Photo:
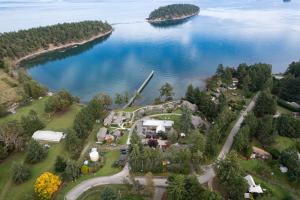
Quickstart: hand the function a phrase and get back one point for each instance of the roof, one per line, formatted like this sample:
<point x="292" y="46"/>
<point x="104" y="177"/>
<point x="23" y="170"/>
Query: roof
<point x="154" y="122"/>
<point x="253" y="188"/>
<point x="117" y="133"/>
<point x="260" y="151"/>
<point x="102" y="132"/>
<point x="50" y="136"/>
<point x="278" y="77"/>
<point x="160" y="128"/>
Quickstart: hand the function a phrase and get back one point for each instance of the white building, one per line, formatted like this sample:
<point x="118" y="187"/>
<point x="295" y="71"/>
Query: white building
<point x="48" y="136"/>
<point x="253" y="188"/>
<point x="157" y="125"/>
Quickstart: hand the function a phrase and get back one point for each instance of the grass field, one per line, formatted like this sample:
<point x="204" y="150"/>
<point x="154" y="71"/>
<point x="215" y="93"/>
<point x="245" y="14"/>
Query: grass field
<point x="282" y="143"/>
<point x="270" y="177"/>
<point x="283" y="110"/>
<point x="123" y="139"/>
<point x="10" y="89"/>
<point x="106" y="170"/>
<point x="13" y="191"/>
<point x="37" y="105"/>
<point x="122" y="190"/>
<point x="61" y="121"/>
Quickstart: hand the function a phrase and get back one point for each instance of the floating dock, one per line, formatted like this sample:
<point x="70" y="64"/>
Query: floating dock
<point x="146" y="81"/>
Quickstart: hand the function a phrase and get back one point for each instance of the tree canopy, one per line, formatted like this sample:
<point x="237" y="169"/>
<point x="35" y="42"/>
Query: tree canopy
<point x="18" y="44"/>
<point x="170" y="12"/>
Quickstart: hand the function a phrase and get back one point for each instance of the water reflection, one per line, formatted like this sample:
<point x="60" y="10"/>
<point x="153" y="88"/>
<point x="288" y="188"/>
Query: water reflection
<point x="62" y="53"/>
<point x="226" y="31"/>
<point x="171" y="23"/>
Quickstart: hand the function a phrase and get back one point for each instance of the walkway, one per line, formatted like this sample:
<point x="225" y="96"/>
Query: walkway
<point x="208" y="171"/>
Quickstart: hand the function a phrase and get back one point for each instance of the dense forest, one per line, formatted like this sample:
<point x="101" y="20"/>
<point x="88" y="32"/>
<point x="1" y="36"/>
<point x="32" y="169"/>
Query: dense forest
<point x="288" y="88"/>
<point x="173" y="11"/>
<point x="15" y="45"/>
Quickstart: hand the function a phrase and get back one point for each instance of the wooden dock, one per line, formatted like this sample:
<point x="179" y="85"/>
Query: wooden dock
<point x="144" y="84"/>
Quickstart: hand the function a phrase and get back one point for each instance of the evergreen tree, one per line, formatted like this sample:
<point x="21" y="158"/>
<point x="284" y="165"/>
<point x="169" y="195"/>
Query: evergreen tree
<point x="35" y="152"/>
<point x="166" y="92"/>
<point x="31" y="123"/>
<point x="20" y="173"/>
<point x="60" y="164"/>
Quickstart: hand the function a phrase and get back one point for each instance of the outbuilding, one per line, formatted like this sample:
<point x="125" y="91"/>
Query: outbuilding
<point x="101" y="134"/>
<point x="253" y="188"/>
<point x="48" y="136"/>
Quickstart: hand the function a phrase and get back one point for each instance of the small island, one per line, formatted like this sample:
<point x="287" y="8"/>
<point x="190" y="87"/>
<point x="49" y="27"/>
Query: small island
<point x="174" y="12"/>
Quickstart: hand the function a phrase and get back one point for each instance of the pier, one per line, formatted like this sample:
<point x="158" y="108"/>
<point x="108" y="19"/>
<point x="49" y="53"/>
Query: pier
<point x="144" y="84"/>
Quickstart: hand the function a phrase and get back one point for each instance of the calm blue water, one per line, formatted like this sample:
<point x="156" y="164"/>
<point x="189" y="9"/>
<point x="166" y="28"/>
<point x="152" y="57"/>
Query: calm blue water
<point x="226" y="31"/>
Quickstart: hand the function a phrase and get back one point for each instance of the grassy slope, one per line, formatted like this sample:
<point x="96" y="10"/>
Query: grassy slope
<point x="94" y="194"/>
<point x="10" y="89"/>
<point x="106" y="170"/>
<point x="278" y="183"/>
<point x="61" y="121"/>
<point x="36" y="105"/>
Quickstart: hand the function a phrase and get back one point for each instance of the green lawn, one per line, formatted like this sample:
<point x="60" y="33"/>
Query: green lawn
<point x="282" y="143"/>
<point x="123" y="139"/>
<point x="61" y="121"/>
<point x="17" y="192"/>
<point x="94" y="193"/>
<point x="36" y="105"/>
<point x="106" y="170"/>
<point x="5" y="169"/>
<point x="283" y="110"/>
<point x="270" y="177"/>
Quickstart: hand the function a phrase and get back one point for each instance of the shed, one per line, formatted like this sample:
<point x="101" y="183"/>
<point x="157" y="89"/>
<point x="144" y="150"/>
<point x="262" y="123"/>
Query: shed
<point x="117" y="133"/>
<point x="253" y="188"/>
<point x="101" y="134"/>
<point x="48" y="136"/>
<point x="260" y="153"/>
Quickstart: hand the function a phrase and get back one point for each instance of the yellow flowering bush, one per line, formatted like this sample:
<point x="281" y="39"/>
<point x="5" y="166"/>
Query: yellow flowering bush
<point x="46" y="185"/>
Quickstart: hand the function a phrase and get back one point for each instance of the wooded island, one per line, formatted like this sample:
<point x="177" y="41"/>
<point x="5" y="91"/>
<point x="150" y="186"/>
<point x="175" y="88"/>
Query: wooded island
<point x="173" y="12"/>
<point x="16" y="45"/>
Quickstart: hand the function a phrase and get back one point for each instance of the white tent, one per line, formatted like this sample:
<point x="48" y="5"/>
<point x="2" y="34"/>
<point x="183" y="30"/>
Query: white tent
<point x="154" y="122"/>
<point x="48" y="136"/>
<point x="253" y="188"/>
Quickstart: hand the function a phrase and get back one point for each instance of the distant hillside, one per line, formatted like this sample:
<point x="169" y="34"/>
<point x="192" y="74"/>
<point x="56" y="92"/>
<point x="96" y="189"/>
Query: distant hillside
<point x="173" y="12"/>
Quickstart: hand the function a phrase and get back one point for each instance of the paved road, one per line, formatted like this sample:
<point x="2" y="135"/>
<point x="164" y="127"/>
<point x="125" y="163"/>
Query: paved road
<point x="208" y="171"/>
<point x="236" y="128"/>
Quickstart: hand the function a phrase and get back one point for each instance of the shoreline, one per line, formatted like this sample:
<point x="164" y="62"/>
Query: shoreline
<point x="64" y="46"/>
<point x="154" y="21"/>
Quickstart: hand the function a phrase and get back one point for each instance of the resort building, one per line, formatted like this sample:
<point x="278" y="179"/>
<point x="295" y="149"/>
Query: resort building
<point x="48" y="136"/>
<point x="156" y="126"/>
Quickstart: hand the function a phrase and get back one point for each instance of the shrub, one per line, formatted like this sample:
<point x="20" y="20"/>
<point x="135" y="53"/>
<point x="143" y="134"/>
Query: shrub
<point x="35" y="152"/>
<point x="84" y="169"/>
<point x="72" y="170"/>
<point x="60" y="164"/>
<point x="60" y="101"/>
<point x="108" y="193"/>
<point x="46" y="185"/>
<point x="20" y="173"/>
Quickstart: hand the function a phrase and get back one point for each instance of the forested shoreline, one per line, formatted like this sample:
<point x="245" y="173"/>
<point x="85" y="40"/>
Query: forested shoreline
<point x="15" y="45"/>
<point x="173" y="12"/>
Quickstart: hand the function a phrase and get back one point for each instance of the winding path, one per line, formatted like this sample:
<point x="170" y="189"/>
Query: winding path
<point x="208" y="171"/>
